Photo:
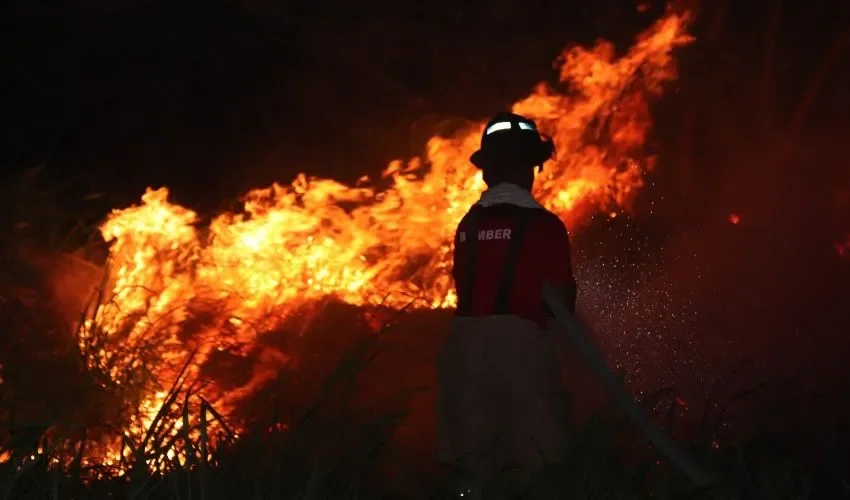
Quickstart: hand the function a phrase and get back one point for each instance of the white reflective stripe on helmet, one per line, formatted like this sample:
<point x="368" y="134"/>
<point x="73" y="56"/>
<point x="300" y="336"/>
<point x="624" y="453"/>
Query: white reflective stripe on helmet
<point x="507" y="126"/>
<point x="497" y="126"/>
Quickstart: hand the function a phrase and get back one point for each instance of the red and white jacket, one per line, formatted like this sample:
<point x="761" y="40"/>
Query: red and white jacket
<point x="506" y="247"/>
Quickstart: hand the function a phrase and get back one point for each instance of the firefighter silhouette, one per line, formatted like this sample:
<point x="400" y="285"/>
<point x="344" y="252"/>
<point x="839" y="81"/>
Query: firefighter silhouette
<point x="501" y="402"/>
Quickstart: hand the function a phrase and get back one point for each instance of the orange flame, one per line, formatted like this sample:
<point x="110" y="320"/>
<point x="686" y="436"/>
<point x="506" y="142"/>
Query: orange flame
<point x="245" y="272"/>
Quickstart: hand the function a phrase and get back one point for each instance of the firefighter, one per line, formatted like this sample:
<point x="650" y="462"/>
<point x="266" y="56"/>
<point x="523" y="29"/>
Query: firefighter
<point x="501" y="402"/>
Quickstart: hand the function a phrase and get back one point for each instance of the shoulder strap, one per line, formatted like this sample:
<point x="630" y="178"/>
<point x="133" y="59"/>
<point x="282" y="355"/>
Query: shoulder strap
<point x="464" y="300"/>
<point x="503" y="295"/>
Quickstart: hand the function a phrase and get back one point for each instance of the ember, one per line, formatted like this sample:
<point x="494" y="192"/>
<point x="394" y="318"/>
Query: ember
<point x="843" y="249"/>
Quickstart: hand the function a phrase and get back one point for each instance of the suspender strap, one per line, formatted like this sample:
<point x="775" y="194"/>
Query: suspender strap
<point x="502" y="304"/>
<point x="464" y="302"/>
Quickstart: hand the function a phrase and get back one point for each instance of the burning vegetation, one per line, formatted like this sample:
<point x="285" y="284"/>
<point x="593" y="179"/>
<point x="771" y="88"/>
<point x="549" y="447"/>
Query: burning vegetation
<point x="194" y="318"/>
<point x="177" y="292"/>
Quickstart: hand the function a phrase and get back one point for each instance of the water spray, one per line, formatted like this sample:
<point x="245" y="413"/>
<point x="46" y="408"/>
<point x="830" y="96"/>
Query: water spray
<point x="664" y="443"/>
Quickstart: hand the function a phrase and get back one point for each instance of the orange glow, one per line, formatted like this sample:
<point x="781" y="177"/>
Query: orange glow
<point x="734" y="218"/>
<point x="181" y="290"/>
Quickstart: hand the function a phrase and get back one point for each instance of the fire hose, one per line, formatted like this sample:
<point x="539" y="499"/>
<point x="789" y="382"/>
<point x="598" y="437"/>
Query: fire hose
<point x="576" y="334"/>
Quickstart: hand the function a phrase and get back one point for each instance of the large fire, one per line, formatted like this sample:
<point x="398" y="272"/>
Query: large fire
<point x="179" y="291"/>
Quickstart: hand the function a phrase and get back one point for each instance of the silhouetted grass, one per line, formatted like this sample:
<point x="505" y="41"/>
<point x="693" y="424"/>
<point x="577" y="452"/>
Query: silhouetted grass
<point x="303" y="439"/>
<point x="340" y="449"/>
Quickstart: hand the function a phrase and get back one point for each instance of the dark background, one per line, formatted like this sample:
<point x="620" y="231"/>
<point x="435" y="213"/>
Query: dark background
<point x="208" y="97"/>
<point x="212" y="97"/>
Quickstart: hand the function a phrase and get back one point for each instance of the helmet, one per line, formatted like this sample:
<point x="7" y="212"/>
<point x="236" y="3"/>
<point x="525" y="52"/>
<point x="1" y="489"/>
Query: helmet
<point x="512" y="141"/>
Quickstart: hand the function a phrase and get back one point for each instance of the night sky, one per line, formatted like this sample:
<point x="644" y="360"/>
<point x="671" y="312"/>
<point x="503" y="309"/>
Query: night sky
<point x="210" y="97"/>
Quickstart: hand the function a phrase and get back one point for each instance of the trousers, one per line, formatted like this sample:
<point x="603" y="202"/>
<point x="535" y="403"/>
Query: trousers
<point x="501" y="402"/>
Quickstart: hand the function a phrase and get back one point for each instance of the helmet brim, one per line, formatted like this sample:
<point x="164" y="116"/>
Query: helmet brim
<point x="529" y="156"/>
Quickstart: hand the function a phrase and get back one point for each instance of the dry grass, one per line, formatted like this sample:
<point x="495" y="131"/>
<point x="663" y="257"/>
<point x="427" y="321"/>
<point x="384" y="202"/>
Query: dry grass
<point x="338" y="447"/>
<point x="335" y="428"/>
